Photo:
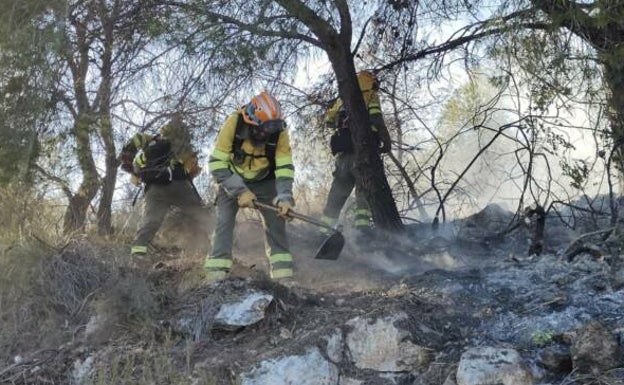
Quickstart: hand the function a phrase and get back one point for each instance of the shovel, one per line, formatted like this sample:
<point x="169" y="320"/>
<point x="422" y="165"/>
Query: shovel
<point x="330" y="248"/>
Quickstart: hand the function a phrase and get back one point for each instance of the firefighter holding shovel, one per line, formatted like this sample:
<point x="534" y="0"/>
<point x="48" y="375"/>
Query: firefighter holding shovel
<point x="252" y="163"/>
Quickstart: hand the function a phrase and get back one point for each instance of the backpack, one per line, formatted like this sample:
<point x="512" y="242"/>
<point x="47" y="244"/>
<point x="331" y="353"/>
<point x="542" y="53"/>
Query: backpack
<point x="155" y="162"/>
<point x="269" y="147"/>
<point x="151" y="160"/>
<point x="340" y="141"/>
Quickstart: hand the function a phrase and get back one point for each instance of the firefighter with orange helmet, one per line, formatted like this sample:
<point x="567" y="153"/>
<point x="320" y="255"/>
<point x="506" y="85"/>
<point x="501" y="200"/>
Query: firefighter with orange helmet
<point x="252" y="161"/>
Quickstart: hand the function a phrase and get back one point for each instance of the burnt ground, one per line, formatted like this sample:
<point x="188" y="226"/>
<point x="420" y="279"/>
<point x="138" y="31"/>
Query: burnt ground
<point x="466" y="284"/>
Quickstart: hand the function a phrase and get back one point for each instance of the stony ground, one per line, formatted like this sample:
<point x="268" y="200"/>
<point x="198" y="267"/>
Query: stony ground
<point x="430" y="296"/>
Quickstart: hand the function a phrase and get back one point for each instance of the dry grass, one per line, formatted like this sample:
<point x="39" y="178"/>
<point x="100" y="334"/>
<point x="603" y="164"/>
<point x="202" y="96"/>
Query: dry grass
<point x="55" y="288"/>
<point x="26" y="216"/>
<point x="611" y="377"/>
<point x="165" y="363"/>
<point x="44" y="294"/>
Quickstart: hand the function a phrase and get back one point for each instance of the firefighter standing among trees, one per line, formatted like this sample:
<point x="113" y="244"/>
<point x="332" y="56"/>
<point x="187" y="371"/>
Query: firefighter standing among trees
<point x="252" y="162"/>
<point x="166" y="164"/>
<point x="342" y="147"/>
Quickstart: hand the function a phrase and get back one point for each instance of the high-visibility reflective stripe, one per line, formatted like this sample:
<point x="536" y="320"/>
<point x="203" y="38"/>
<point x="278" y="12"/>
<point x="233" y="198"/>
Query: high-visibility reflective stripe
<point x="215" y="275"/>
<point x="248" y="174"/>
<point x="221" y="155"/>
<point x="281" y="273"/>
<point x="139" y="159"/>
<point x="138" y="250"/>
<point x="215" y="164"/>
<point x="285" y="173"/>
<point x="283" y="257"/>
<point x="286" y="167"/>
<point x="282" y="265"/>
<point x="283" y="160"/>
<point x="363" y="212"/>
<point x="374" y="110"/>
<point x="329" y="220"/>
<point x="218" y="263"/>
<point x="362" y="223"/>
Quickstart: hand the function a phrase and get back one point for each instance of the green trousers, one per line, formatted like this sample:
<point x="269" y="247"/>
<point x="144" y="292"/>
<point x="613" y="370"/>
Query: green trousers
<point x="219" y="261"/>
<point x="158" y="200"/>
<point x="341" y="187"/>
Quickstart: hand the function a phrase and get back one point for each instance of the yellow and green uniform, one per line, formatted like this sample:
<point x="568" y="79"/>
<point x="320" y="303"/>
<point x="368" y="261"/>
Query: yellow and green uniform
<point x="344" y="179"/>
<point x="250" y="168"/>
<point x="371" y="99"/>
<point x="160" y="198"/>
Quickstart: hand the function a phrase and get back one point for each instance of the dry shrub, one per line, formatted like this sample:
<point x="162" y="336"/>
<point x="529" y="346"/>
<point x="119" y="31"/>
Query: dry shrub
<point x="127" y="306"/>
<point x="43" y="294"/>
<point x="47" y="297"/>
<point x="24" y="215"/>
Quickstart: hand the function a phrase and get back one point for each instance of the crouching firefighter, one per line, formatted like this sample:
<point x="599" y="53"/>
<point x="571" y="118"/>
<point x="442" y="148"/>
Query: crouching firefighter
<point x="166" y="164"/>
<point x="251" y="162"/>
<point x="341" y="146"/>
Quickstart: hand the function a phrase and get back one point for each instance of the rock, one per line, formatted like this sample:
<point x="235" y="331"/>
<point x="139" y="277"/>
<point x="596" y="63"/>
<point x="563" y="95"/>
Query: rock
<point x="82" y="371"/>
<point x="246" y="312"/>
<point x="307" y="369"/>
<point x="350" y="381"/>
<point x="488" y="221"/>
<point x="450" y="380"/>
<point x="488" y="365"/>
<point x="595" y="350"/>
<point x="383" y="347"/>
<point x="618" y="279"/>
<point x="335" y="346"/>
<point x="95" y="325"/>
<point x="556" y="358"/>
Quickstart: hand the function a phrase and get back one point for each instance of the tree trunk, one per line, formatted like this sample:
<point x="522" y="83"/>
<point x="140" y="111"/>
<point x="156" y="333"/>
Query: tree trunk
<point x="369" y="171"/>
<point x="76" y="212"/>
<point x="614" y="78"/>
<point x="104" y="214"/>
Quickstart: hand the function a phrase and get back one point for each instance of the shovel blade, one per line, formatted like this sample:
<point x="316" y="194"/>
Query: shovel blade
<point x="331" y="247"/>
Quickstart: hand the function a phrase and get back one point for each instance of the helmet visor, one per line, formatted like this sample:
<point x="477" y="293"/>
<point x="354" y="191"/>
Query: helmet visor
<point x="260" y="134"/>
<point x="272" y="126"/>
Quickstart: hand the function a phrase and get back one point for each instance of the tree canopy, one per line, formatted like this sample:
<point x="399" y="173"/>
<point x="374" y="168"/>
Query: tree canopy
<point x="79" y="77"/>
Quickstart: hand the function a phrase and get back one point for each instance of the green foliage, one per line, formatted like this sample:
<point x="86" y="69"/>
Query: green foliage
<point x="27" y="32"/>
<point x="578" y="172"/>
<point x="556" y="142"/>
<point x="469" y="106"/>
<point x="542" y="338"/>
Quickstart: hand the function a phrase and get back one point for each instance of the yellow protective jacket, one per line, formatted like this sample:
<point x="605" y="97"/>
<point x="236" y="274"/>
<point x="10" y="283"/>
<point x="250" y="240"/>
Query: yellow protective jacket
<point x="371" y="99"/>
<point x="232" y="171"/>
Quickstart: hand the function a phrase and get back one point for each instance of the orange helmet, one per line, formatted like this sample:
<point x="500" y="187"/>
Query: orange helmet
<point x="367" y="81"/>
<point x="262" y="108"/>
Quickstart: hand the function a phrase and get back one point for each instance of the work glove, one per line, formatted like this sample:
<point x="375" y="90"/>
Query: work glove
<point x="247" y="199"/>
<point x="284" y="206"/>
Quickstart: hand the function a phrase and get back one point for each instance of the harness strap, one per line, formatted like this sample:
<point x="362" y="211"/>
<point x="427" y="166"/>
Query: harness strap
<point x="270" y="146"/>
